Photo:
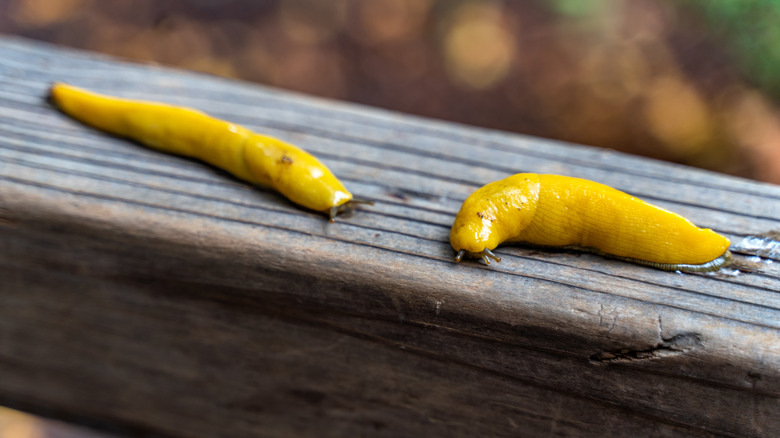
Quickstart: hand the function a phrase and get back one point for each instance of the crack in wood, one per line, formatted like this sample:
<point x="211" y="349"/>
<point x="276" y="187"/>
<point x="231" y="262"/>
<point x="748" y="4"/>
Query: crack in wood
<point x="676" y="345"/>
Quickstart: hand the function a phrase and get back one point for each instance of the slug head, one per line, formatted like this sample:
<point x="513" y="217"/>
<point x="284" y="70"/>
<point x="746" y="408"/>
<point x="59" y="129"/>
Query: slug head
<point x="473" y="234"/>
<point x="493" y="214"/>
<point x="296" y="174"/>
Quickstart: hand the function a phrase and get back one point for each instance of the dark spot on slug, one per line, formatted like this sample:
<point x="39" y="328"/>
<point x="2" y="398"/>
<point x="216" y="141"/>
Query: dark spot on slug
<point x="481" y="216"/>
<point x="286" y="159"/>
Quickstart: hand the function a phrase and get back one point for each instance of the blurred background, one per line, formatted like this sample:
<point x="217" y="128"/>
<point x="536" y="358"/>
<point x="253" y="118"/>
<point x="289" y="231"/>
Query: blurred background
<point x="688" y="81"/>
<point x="15" y="424"/>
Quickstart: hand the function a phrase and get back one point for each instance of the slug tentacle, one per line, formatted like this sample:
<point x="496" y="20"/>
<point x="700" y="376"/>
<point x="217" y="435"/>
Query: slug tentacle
<point x="347" y="206"/>
<point x="485" y="255"/>
<point x="559" y="211"/>
<point x="252" y="157"/>
<point x="488" y="254"/>
<point x="360" y="201"/>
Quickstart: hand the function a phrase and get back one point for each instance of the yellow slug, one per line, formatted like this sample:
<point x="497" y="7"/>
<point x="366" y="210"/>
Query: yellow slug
<point x="561" y="211"/>
<point x="252" y="157"/>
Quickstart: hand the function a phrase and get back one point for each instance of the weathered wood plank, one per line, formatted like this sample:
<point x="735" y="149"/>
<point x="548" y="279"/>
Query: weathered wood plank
<point x="156" y="293"/>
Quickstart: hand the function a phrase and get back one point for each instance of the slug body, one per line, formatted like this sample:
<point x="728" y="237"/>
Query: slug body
<point x="559" y="211"/>
<point x="252" y="157"/>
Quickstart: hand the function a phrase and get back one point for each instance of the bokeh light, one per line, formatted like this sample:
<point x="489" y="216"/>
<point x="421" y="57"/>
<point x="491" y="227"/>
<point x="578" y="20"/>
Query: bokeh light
<point x="688" y="81"/>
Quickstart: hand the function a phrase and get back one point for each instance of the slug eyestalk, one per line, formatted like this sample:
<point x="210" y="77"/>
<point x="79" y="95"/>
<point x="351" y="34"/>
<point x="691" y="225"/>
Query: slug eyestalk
<point x="347" y="206"/>
<point x="485" y="255"/>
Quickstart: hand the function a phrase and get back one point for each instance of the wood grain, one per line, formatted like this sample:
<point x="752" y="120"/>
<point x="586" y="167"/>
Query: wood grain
<point x="153" y="294"/>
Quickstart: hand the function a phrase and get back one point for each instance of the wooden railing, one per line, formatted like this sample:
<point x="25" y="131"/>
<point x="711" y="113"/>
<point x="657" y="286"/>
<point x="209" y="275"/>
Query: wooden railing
<point x="149" y="293"/>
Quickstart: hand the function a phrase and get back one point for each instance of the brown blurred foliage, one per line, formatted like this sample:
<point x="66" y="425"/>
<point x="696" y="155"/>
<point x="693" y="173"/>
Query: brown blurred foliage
<point x="633" y="75"/>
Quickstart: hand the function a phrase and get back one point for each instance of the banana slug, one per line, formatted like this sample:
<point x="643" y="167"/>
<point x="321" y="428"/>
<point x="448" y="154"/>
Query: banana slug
<point x="252" y="157"/>
<point x="561" y="211"/>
